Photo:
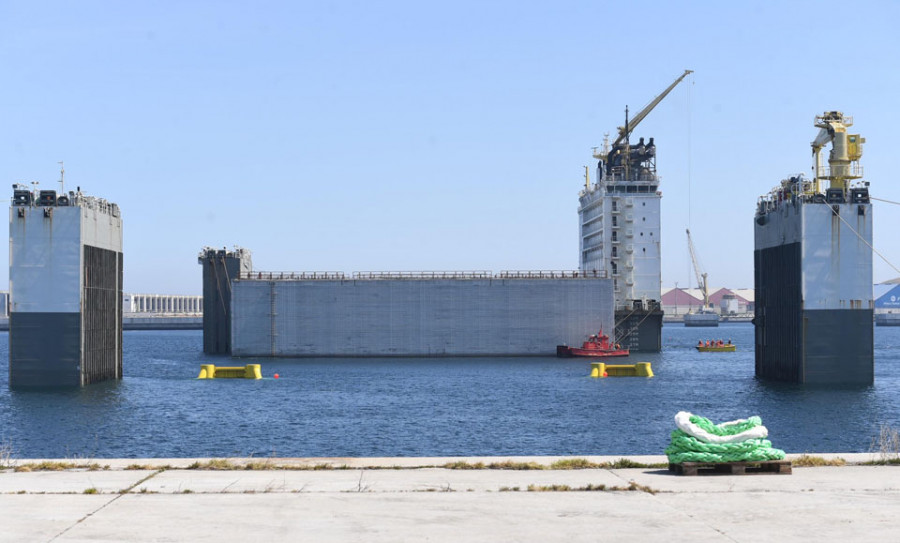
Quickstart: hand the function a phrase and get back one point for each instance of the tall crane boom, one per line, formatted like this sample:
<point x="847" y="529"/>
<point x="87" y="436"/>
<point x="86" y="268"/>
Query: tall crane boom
<point x="627" y="162"/>
<point x="701" y="277"/>
<point x="625" y="131"/>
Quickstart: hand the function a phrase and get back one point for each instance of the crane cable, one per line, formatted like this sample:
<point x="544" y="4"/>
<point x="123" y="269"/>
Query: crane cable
<point x="883" y="200"/>
<point x="869" y="245"/>
<point x="689" y="138"/>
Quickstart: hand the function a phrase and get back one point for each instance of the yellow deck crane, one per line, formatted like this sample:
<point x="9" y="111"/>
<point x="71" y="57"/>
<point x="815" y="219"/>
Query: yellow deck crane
<point x="846" y="150"/>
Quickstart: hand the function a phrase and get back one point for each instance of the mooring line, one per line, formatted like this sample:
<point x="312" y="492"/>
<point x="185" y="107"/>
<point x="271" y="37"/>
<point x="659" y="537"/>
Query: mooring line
<point x="886" y="201"/>
<point x="869" y="245"/>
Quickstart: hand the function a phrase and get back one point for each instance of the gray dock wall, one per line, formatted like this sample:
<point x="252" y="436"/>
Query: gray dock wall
<point x="428" y="317"/>
<point x="814" y="303"/>
<point x="65" y="300"/>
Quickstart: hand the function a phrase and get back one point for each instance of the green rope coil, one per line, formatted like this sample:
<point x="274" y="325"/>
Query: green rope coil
<point x="686" y="448"/>
<point x="758" y="455"/>
<point x="683" y="442"/>
<point x="726" y="428"/>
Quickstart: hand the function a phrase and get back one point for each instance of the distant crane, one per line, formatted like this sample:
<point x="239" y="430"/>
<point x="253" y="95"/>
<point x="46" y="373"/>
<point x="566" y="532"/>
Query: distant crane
<point x="701" y="277"/>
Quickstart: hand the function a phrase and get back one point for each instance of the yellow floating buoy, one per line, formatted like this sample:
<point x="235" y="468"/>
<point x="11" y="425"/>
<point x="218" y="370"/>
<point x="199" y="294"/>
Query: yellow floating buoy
<point x="601" y="369"/>
<point x="250" y="371"/>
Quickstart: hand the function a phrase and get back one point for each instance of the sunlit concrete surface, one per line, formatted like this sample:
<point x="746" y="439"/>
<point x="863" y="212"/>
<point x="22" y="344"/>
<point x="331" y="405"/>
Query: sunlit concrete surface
<point x="71" y="481"/>
<point x="377" y="501"/>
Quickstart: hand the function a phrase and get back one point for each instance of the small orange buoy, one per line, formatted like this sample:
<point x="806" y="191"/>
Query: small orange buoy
<point x="276" y="376"/>
<point x="605" y="374"/>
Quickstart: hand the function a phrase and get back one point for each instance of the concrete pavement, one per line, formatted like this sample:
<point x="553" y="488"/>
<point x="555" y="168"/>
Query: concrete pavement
<point x="366" y="500"/>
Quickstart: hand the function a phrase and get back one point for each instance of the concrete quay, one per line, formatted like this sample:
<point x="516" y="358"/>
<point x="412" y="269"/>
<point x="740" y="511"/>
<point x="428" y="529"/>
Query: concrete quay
<point x="409" y="499"/>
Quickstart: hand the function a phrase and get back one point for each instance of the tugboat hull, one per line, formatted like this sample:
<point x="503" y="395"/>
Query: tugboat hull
<point x="564" y="351"/>
<point x="596" y="346"/>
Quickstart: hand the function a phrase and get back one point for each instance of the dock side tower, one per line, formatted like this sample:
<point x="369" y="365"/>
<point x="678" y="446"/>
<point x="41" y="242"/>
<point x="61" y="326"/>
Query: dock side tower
<point x="220" y="268"/>
<point x="813" y="269"/>
<point x="619" y="222"/>
<point x="65" y="285"/>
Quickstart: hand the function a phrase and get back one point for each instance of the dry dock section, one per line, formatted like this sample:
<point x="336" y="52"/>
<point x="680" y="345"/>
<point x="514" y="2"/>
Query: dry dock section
<point x="390" y="314"/>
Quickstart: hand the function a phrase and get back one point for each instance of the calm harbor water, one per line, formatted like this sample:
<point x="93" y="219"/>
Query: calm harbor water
<point x="435" y="407"/>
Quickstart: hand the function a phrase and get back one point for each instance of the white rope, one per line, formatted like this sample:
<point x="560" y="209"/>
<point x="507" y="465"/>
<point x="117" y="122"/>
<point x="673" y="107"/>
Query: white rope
<point x="683" y="422"/>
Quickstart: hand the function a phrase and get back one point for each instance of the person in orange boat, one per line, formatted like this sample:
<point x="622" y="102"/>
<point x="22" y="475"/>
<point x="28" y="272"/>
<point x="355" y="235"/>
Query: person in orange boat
<point x="707" y="343"/>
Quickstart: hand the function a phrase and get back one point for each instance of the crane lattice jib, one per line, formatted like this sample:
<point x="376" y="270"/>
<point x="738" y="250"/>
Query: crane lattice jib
<point x="625" y="131"/>
<point x="701" y="277"/>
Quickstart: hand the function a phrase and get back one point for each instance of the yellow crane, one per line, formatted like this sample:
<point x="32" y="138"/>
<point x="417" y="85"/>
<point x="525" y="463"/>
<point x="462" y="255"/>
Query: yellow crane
<point x="846" y="150"/>
<point x="701" y="277"/>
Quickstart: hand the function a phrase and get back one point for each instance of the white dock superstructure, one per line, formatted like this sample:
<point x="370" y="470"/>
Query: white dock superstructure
<point x="65" y="283"/>
<point x="619" y="223"/>
<point x="619" y="220"/>
<point x="620" y="236"/>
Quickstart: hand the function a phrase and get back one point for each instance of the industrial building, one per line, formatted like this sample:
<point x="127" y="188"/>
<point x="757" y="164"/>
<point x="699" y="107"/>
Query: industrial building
<point x="144" y="312"/>
<point x="162" y="304"/>
<point x="677" y="302"/>
<point x="887" y="303"/>
<point x="65" y="289"/>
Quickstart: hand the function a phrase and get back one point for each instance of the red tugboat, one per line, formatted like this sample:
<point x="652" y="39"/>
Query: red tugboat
<point x="597" y="345"/>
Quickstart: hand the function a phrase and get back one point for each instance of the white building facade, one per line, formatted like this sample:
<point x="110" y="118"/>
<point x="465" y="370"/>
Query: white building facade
<point x="166" y="304"/>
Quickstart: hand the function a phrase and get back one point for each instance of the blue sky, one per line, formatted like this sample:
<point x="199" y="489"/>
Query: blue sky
<point x="345" y="136"/>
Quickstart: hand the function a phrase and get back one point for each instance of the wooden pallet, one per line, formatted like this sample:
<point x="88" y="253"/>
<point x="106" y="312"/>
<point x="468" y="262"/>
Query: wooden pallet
<point x="782" y="467"/>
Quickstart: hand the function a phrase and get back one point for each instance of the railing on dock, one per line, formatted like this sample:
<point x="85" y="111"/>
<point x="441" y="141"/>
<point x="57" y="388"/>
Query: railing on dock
<point x="422" y="275"/>
<point x="419" y="275"/>
<point x="294" y="276"/>
<point x="552" y="274"/>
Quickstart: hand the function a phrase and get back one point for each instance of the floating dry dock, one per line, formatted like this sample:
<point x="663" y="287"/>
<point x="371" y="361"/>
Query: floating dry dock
<point x="414" y="314"/>
<point x="65" y="282"/>
<point x="813" y="269"/>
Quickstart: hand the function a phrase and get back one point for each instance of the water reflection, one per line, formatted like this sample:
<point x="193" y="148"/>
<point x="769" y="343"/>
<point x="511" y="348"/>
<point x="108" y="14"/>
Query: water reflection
<point x="439" y="407"/>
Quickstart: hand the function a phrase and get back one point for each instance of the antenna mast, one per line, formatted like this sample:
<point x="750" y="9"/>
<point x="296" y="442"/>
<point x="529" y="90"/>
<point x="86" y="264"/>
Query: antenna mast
<point x="627" y="145"/>
<point x="62" y="177"/>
